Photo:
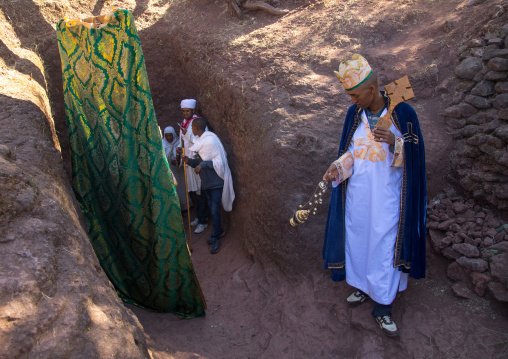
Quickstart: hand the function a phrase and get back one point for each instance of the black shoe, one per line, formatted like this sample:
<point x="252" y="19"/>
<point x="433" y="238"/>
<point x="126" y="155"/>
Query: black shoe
<point x="214" y="245"/>
<point x="222" y="235"/>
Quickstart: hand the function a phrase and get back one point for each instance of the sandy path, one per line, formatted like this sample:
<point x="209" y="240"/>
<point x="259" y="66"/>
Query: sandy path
<point x="257" y="312"/>
<point x="254" y="310"/>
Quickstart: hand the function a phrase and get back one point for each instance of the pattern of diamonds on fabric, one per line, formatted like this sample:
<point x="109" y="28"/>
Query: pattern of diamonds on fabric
<point x="120" y="174"/>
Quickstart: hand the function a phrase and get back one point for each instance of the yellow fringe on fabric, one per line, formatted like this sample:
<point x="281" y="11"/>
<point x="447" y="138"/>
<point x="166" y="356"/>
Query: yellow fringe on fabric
<point x="94" y="22"/>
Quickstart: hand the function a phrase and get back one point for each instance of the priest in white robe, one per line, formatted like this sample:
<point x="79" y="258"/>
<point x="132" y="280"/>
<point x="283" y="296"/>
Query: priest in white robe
<point x="375" y="234"/>
<point x="187" y="140"/>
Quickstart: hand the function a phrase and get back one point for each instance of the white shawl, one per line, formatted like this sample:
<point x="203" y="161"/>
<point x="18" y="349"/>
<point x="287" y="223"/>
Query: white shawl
<point x="210" y="148"/>
<point x="170" y="147"/>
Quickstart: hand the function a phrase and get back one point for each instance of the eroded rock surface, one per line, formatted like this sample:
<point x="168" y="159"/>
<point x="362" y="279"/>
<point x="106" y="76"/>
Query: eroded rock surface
<point x="55" y="300"/>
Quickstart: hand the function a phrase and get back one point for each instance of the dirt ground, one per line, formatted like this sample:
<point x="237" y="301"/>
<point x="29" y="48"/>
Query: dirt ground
<point x="266" y="85"/>
<point x="254" y="311"/>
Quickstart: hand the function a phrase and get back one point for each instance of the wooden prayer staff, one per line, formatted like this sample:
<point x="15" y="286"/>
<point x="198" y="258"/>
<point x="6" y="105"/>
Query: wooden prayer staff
<point x="398" y="91"/>
<point x="187" y="197"/>
<point x="316" y="199"/>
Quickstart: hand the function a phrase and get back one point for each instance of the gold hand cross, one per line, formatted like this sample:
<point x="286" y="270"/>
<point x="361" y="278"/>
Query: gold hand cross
<point x="398" y="91"/>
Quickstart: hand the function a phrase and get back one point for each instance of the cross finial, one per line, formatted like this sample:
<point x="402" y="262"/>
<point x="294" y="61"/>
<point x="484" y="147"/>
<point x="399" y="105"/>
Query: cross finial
<point x="398" y="91"/>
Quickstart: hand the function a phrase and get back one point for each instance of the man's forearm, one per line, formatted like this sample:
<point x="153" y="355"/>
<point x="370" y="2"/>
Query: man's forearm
<point x="207" y="164"/>
<point x="194" y="162"/>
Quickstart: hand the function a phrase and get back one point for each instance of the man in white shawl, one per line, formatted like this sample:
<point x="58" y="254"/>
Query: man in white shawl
<point x="216" y="182"/>
<point x="171" y="142"/>
<point x="187" y="139"/>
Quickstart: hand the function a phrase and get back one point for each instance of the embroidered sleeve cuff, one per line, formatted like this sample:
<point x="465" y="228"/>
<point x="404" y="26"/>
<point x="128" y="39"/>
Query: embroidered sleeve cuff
<point x="398" y="153"/>
<point x="345" y="167"/>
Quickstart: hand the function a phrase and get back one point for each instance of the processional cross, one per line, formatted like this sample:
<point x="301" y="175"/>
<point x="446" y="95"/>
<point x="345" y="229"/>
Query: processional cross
<point x="398" y="91"/>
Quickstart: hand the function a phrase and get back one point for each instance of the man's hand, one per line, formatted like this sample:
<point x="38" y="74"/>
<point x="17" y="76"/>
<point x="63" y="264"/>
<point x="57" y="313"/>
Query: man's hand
<point x="331" y="174"/>
<point x="197" y="169"/>
<point x="185" y="159"/>
<point x="184" y="130"/>
<point x="179" y="150"/>
<point x="384" y="135"/>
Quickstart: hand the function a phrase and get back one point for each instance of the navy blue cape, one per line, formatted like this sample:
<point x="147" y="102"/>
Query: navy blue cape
<point x="410" y="243"/>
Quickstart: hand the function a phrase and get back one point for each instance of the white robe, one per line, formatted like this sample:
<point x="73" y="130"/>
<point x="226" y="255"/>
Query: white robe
<point x="210" y="148"/>
<point x="372" y="218"/>
<point x="193" y="180"/>
<point x="170" y="150"/>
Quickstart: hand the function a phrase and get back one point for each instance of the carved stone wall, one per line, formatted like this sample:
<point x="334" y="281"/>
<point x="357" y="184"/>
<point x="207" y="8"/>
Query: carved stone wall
<point x="478" y="120"/>
<point x="464" y="229"/>
<point x="477" y="242"/>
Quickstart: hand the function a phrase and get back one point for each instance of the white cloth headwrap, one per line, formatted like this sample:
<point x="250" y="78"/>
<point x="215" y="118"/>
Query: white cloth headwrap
<point x="210" y="148"/>
<point x="188" y="103"/>
<point x="170" y="147"/>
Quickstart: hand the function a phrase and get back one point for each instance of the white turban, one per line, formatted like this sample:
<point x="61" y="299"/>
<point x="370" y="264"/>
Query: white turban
<point x="188" y="103"/>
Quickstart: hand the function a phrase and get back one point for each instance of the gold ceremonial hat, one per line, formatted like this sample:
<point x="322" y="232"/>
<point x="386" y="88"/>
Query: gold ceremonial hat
<point x="352" y="73"/>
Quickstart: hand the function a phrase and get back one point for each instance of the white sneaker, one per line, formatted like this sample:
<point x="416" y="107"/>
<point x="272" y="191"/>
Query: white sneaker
<point x="356" y="298"/>
<point x="387" y="325"/>
<point x="200" y="228"/>
<point x="194" y="222"/>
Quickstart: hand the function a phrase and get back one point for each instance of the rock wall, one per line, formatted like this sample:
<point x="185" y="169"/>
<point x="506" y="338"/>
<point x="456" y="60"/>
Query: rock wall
<point x="55" y="300"/>
<point x="478" y="119"/>
<point x="477" y="242"/>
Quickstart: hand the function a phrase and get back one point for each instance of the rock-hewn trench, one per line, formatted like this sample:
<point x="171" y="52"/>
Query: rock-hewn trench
<point x="55" y="301"/>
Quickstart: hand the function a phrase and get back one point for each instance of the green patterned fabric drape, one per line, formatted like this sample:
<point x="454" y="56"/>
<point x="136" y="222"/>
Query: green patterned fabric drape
<point x="120" y="174"/>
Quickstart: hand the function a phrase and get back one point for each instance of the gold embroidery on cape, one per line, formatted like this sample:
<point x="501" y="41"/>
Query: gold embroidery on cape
<point x="398" y="156"/>
<point x="397" y="260"/>
<point x="410" y="136"/>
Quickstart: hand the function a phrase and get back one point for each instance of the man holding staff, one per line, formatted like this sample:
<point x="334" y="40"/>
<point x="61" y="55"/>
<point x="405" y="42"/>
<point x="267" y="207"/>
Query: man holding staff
<point x="213" y="169"/>
<point x="188" y="138"/>
<point x="375" y="232"/>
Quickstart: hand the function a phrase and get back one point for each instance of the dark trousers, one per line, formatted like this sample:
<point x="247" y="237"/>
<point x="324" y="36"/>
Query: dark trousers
<point x="201" y="206"/>
<point x="214" y="197"/>
<point x="380" y="310"/>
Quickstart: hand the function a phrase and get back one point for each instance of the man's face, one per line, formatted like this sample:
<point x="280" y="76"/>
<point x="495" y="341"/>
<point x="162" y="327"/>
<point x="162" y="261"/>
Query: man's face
<point x="362" y="96"/>
<point x="187" y="113"/>
<point x="195" y="129"/>
<point x="169" y="137"/>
